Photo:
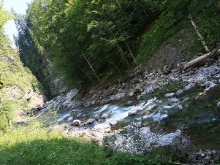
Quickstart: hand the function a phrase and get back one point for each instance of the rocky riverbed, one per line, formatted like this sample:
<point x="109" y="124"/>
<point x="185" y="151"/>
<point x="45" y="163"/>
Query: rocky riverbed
<point x="146" y="110"/>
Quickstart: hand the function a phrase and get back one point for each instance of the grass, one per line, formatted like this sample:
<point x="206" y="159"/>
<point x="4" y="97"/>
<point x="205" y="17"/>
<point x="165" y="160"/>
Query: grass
<point x="34" y="145"/>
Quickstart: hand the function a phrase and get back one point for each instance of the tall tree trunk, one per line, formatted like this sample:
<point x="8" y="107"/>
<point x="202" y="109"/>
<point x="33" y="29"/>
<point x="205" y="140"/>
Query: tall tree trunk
<point x="129" y="49"/>
<point x="67" y="51"/>
<point x="87" y="60"/>
<point x="121" y="52"/>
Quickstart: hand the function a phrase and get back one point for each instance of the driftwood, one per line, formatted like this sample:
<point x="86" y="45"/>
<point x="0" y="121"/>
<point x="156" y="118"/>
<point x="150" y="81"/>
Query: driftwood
<point x="199" y="35"/>
<point x="201" y="58"/>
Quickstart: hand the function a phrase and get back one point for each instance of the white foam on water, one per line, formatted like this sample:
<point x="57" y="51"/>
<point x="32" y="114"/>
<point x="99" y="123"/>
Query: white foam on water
<point x="61" y="117"/>
<point x="104" y="107"/>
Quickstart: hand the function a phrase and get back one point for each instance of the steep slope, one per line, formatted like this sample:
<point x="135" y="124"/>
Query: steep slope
<point x="19" y="89"/>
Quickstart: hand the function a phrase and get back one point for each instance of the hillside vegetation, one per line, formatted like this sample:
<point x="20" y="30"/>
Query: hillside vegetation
<point x="16" y="81"/>
<point x="90" y="41"/>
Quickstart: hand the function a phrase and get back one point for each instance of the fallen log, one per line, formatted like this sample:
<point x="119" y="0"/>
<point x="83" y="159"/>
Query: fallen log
<point x="201" y="58"/>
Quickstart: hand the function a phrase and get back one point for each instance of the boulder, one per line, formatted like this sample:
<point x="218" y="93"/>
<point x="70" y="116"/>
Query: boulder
<point x="105" y="115"/>
<point x="76" y="123"/>
<point x="90" y="121"/>
<point x="173" y="79"/>
<point x="130" y="94"/>
<point x="113" y="123"/>
<point x="129" y="103"/>
<point x="199" y="80"/>
<point x="119" y="96"/>
<point x="134" y="111"/>
<point x="69" y="119"/>
<point x="138" y="88"/>
<point x="167" y="69"/>
<point x="169" y="95"/>
<point x="208" y="85"/>
<point x="177" y="140"/>
<point x="179" y="92"/>
<point x="189" y="86"/>
<point x="173" y="101"/>
<point x="105" y="128"/>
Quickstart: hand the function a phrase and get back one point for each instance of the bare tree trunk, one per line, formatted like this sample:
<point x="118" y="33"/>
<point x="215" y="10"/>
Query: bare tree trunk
<point x="121" y="51"/>
<point x="87" y="60"/>
<point x="122" y="54"/>
<point x="200" y="36"/>
<point x="130" y="52"/>
<point x="203" y="57"/>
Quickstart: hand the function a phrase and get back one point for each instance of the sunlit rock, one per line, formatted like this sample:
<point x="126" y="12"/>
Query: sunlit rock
<point x="168" y="95"/>
<point x="76" y="123"/>
<point x="134" y="111"/>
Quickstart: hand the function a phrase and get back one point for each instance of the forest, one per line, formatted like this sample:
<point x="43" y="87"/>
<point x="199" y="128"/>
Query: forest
<point x="88" y="42"/>
<point x="92" y="47"/>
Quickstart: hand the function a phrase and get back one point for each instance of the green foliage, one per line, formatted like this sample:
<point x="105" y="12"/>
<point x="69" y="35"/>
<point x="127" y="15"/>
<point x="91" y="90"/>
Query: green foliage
<point x="15" y="80"/>
<point x="4" y="17"/>
<point x="6" y="115"/>
<point x="28" y="51"/>
<point x="88" y="40"/>
<point x="174" y="18"/>
<point x="170" y="21"/>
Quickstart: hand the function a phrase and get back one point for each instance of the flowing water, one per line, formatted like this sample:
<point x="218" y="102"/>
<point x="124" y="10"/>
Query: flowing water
<point x="157" y="122"/>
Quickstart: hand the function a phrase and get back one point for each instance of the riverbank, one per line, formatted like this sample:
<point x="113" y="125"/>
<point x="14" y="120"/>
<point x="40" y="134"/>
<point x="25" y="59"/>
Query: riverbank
<point x="145" y="111"/>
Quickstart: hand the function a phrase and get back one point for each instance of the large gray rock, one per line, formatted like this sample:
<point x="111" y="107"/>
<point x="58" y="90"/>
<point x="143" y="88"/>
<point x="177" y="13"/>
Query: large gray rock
<point x="134" y="111"/>
<point x="199" y="80"/>
<point x="179" y="92"/>
<point x="105" y="115"/>
<point x="104" y="128"/>
<point x="129" y="103"/>
<point x="208" y="85"/>
<point x="131" y="94"/>
<point x="169" y="95"/>
<point x="138" y="88"/>
<point x="173" y="79"/>
<point x="119" y="96"/>
<point x="189" y="86"/>
<point x="90" y="121"/>
<point x="167" y="69"/>
<point x="70" y="119"/>
<point x="113" y="123"/>
<point x="76" y="123"/>
<point x="173" y="101"/>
